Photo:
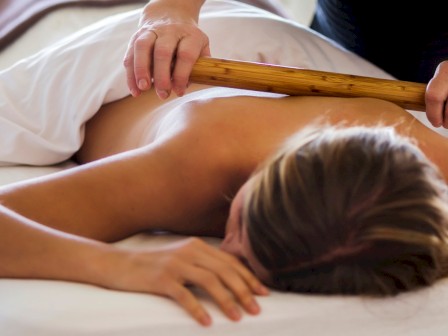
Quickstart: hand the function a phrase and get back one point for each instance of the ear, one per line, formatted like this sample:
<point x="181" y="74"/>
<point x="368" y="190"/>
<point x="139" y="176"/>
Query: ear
<point x="231" y="244"/>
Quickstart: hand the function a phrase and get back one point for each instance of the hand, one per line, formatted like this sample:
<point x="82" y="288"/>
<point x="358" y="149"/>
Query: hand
<point x="164" y="49"/>
<point x="171" y="270"/>
<point x="436" y="97"/>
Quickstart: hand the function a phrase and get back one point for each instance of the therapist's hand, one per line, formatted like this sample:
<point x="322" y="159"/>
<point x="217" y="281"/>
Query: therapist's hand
<point x="165" y="47"/>
<point x="436" y="97"/>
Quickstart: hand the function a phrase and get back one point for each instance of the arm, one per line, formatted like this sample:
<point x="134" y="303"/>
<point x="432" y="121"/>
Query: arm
<point x="109" y="200"/>
<point x="30" y="250"/>
<point x="168" y="34"/>
<point x="166" y="185"/>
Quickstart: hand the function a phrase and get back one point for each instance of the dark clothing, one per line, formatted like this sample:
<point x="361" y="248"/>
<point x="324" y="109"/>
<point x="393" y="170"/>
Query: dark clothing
<point x="405" y="39"/>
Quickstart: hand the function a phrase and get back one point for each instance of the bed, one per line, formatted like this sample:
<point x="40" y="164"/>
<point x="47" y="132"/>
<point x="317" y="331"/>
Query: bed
<point x="37" y="307"/>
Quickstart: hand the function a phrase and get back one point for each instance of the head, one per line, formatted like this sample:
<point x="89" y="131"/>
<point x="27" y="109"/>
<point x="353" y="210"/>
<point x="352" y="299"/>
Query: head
<point x="344" y="211"/>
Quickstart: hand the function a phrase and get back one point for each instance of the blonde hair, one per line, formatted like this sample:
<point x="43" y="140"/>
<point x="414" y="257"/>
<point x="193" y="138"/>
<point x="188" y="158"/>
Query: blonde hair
<point x="348" y="211"/>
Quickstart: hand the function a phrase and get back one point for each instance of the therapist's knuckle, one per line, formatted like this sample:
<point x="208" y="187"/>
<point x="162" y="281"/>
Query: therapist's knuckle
<point x="141" y="43"/>
<point x="434" y="97"/>
<point x="127" y="61"/>
<point x="162" y="52"/>
<point x="187" y="56"/>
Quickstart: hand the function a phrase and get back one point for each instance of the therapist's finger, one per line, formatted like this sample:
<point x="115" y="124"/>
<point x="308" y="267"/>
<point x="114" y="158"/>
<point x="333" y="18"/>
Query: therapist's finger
<point x="164" y="51"/>
<point x="128" y="63"/>
<point x="436" y="97"/>
<point x="143" y="50"/>
<point x="137" y="61"/>
<point x="188" y="52"/>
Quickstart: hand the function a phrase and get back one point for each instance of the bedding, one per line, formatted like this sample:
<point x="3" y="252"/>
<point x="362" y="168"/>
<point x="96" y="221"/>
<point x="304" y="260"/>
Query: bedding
<point x="17" y="16"/>
<point x="46" y="136"/>
<point x="31" y="307"/>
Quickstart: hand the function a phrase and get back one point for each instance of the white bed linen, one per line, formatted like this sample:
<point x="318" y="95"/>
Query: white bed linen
<point x="29" y="307"/>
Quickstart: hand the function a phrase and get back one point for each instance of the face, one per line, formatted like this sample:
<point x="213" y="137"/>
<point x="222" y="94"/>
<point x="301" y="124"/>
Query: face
<point x="236" y="240"/>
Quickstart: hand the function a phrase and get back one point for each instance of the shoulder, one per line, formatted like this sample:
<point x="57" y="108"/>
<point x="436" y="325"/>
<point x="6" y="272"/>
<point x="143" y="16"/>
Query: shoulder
<point x="238" y="131"/>
<point x="358" y="111"/>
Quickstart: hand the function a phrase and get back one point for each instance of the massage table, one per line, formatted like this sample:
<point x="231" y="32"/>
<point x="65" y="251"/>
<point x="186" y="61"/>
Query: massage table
<point x="50" y="308"/>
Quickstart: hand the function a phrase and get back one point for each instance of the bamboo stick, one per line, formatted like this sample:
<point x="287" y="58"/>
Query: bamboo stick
<point x="296" y="81"/>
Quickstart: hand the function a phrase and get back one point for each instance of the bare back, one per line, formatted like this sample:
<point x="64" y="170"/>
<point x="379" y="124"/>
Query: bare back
<point x="173" y="166"/>
<point x="255" y="124"/>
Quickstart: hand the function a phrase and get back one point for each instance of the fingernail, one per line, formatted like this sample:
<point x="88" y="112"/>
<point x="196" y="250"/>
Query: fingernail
<point x="162" y="94"/>
<point x="142" y="84"/>
<point x="134" y="93"/>
<point x="179" y="92"/>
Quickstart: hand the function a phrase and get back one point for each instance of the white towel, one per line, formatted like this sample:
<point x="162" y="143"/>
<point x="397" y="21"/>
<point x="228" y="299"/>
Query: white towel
<point x="46" y="99"/>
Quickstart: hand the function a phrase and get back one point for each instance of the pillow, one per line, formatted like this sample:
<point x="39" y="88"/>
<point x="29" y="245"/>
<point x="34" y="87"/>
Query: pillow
<point x="47" y="98"/>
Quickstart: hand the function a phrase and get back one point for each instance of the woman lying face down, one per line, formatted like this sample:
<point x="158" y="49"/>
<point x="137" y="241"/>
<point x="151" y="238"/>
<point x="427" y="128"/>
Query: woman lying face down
<point x="351" y="209"/>
<point x="343" y="211"/>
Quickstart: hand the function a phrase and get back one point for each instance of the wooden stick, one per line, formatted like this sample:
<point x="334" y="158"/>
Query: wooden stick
<point x="296" y="81"/>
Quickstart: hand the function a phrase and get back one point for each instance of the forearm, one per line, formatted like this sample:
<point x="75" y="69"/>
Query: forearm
<point x="31" y="250"/>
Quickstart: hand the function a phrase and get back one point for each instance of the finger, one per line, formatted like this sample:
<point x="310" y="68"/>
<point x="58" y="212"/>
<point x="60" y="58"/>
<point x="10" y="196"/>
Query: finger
<point x="164" y="51"/>
<point x="237" y="286"/>
<point x="445" y="115"/>
<point x="128" y="63"/>
<point x="143" y="50"/>
<point x="208" y="281"/>
<point x="434" y="101"/>
<point x="235" y="279"/>
<point x="249" y="278"/>
<point x="205" y="52"/>
<point x="436" y="96"/>
<point x="190" y="303"/>
<point x="185" y="58"/>
<point x="188" y="51"/>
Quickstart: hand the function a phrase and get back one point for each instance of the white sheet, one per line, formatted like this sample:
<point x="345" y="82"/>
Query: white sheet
<point x="43" y="124"/>
<point x="29" y="307"/>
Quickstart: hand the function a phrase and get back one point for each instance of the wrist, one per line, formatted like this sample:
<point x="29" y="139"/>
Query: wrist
<point x="103" y="266"/>
<point x="172" y="9"/>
